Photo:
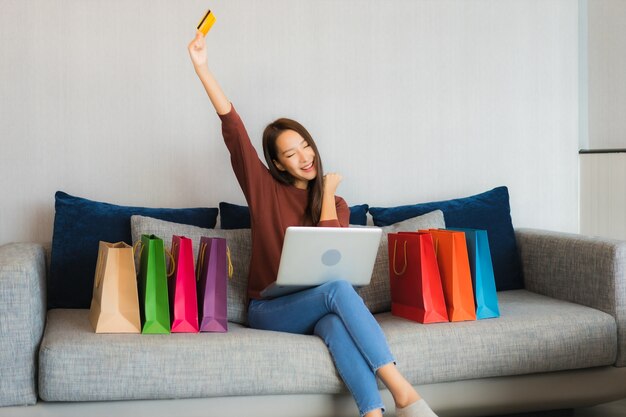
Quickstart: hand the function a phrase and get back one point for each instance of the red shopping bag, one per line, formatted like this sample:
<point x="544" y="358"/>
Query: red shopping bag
<point x="416" y="292"/>
<point x="182" y="288"/>
<point x="456" y="277"/>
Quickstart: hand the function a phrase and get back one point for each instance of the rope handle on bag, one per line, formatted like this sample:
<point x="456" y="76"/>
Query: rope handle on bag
<point x="406" y="261"/>
<point x="201" y="260"/>
<point x="137" y="244"/>
<point x="203" y="246"/>
<point x="172" y="261"/>
<point x="231" y="270"/>
<point x="140" y="244"/>
<point x="99" y="272"/>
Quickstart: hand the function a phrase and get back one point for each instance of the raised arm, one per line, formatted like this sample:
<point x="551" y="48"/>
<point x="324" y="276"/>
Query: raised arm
<point x="252" y="175"/>
<point x="329" y="210"/>
<point x="335" y="211"/>
<point x="198" y="54"/>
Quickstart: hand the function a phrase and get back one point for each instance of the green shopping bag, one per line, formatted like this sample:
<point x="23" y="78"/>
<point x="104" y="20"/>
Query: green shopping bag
<point x="155" y="309"/>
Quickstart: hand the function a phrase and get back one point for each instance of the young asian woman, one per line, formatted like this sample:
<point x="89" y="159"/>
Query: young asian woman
<point x="292" y="190"/>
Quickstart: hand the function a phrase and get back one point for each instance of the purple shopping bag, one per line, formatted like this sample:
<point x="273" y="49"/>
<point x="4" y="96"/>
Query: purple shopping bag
<point x="212" y="270"/>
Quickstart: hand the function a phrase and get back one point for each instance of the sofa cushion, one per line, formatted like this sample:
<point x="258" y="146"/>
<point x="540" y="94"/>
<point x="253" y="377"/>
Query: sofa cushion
<point x="488" y="211"/>
<point x="77" y="364"/>
<point x="234" y="216"/>
<point x="79" y="224"/>
<point x="239" y="241"/>
<point x="534" y="334"/>
<point x="377" y="295"/>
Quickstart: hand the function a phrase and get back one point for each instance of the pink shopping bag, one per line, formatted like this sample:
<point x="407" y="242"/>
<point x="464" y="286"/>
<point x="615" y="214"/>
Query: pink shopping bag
<point x="182" y="288"/>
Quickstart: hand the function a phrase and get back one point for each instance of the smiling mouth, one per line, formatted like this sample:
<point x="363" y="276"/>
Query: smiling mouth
<point x="307" y="167"/>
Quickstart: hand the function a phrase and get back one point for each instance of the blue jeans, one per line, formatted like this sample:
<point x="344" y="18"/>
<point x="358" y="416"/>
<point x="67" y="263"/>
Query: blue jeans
<point x="337" y="314"/>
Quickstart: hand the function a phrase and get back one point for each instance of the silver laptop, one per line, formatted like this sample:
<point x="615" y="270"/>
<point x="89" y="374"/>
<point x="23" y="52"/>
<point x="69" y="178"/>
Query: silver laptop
<point x="312" y="256"/>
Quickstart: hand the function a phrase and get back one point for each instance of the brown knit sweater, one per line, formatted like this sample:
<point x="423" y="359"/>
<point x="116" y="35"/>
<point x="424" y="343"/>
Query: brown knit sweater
<point x="273" y="206"/>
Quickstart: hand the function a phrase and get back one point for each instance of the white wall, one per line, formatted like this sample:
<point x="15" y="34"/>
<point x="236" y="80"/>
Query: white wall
<point x="411" y="100"/>
<point x="607" y="69"/>
<point x="603" y="126"/>
<point x="603" y="191"/>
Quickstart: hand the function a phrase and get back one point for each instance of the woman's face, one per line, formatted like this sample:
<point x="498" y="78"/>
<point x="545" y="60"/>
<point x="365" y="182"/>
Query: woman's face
<point x="296" y="157"/>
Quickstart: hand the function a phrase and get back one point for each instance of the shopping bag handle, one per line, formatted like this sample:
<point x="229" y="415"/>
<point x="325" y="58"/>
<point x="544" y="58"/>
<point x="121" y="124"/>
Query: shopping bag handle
<point x="203" y="245"/>
<point x="139" y="244"/>
<point x="172" y="262"/>
<point x="99" y="272"/>
<point x="395" y="245"/>
<point x="231" y="270"/>
<point x="201" y="260"/>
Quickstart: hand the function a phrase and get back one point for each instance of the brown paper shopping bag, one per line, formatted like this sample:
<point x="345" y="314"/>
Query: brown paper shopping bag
<point x="115" y="303"/>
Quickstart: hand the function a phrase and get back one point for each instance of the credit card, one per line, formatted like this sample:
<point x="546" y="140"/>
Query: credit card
<point x="207" y="21"/>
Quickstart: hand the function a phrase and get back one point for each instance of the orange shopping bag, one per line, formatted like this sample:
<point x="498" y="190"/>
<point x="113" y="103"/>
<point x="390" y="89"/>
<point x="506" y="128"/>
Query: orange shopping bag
<point x="456" y="277"/>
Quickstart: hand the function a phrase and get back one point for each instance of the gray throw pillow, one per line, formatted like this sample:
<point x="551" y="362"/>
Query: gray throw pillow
<point x="239" y="241"/>
<point x="377" y="295"/>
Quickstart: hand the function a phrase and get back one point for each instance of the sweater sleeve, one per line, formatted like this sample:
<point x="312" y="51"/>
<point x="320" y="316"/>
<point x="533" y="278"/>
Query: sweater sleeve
<point x="251" y="173"/>
<point x="343" y="215"/>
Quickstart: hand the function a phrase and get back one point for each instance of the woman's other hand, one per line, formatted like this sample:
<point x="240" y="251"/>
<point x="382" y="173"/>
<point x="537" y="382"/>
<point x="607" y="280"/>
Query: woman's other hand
<point x="331" y="182"/>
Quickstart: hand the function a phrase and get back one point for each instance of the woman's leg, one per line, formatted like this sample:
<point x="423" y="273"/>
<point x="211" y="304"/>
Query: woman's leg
<point x="408" y="401"/>
<point x="352" y="367"/>
<point x="337" y="313"/>
<point x="300" y="312"/>
<point x="401" y="390"/>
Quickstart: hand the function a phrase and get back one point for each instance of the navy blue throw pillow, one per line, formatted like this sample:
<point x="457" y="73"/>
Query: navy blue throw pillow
<point x="488" y="211"/>
<point x="79" y="224"/>
<point x="358" y="214"/>
<point x="233" y="216"/>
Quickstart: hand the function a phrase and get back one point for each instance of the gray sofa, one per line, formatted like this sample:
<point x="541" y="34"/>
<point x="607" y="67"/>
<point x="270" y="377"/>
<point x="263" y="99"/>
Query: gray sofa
<point x="559" y="343"/>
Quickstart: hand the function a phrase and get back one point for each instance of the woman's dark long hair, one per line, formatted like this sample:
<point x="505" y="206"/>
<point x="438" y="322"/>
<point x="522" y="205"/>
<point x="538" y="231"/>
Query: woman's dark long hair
<point x="316" y="186"/>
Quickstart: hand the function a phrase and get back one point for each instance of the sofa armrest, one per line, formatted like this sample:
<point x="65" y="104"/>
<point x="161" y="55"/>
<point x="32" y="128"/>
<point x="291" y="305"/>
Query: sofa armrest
<point x="22" y="320"/>
<point x="585" y="270"/>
